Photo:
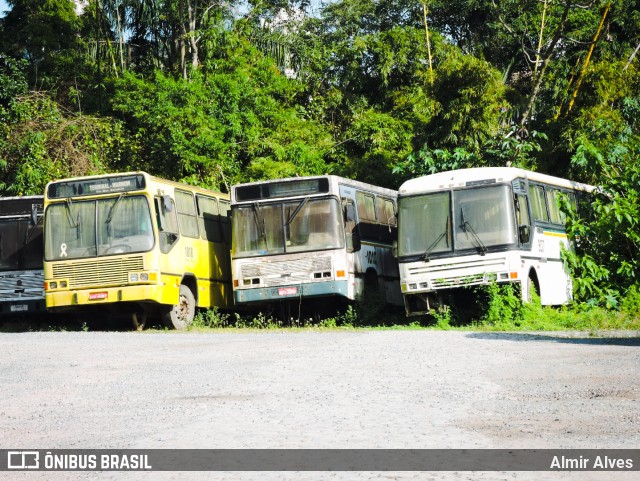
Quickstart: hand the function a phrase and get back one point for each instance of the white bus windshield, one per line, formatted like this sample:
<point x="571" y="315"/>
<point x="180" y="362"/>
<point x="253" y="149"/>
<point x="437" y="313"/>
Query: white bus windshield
<point x="89" y="228"/>
<point x="480" y="218"/>
<point x="300" y="225"/>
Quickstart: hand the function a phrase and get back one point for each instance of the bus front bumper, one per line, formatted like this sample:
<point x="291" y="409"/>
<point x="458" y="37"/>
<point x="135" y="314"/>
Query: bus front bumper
<point x="295" y="291"/>
<point x="108" y="295"/>
<point x="19" y="306"/>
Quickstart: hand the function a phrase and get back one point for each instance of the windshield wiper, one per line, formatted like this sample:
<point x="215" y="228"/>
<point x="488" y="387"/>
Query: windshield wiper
<point x="475" y="238"/>
<point x="259" y="221"/>
<point x="74" y="224"/>
<point x="425" y="256"/>
<point x="113" y="209"/>
<point x="296" y="211"/>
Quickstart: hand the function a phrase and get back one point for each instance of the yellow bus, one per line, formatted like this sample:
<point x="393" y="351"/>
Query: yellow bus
<point x="136" y="245"/>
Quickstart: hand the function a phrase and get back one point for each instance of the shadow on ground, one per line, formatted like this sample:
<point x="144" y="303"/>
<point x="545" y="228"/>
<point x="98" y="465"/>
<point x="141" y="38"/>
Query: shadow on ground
<point x="615" y="338"/>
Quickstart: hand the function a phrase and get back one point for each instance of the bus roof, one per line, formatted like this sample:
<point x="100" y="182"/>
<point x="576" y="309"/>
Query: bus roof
<point x="480" y="176"/>
<point x="333" y="179"/>
<point x="138" y="172"/>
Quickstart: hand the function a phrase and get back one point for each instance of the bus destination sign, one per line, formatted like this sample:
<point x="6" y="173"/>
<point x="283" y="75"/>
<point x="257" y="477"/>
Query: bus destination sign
<point x="279" y="189"/>
<point x="96" y="186"/>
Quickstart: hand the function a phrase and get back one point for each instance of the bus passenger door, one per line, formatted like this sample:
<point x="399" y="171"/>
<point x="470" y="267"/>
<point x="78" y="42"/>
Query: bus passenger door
<point x="351" y="226"/>
<point x="523" y="222"/>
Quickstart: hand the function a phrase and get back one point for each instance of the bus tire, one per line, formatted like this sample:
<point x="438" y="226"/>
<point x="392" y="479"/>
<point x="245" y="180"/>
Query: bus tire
<point x="181" y="315"/>
<point x="371" y="280"/>
<point x="532" y="286"/>
<point x="139" y="318"/>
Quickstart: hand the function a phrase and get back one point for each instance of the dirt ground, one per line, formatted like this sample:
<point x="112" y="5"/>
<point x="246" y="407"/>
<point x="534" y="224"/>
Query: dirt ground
<point x="319" y="389"/>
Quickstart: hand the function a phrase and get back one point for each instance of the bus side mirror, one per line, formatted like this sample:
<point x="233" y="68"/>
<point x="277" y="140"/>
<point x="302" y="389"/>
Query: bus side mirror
<point x="524" y="232"/>
<point x="166" y="203"/>
<point x="349" y="212"/>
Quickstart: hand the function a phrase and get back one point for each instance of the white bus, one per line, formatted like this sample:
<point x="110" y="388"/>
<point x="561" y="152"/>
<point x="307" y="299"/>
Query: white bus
<point x="312" y="238"/>
<point x="483" y="225"/>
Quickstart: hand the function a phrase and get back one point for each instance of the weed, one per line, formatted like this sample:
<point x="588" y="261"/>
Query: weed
<point x="504" y="306"/>
<point x="349" y="318"/>
<point x="330" y="322"/>
<point x="442" y="316"/>
<point x="212" y="318"/>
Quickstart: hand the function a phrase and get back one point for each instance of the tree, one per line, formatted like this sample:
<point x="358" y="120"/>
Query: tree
<point x="604" y="133"/>
<point x="233" y="121"/>
<point x="45" y="33"/>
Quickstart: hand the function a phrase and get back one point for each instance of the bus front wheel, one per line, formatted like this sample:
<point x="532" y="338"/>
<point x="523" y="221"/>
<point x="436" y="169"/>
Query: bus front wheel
<point x="181" y="315"/>
<point x="532" y="288"/>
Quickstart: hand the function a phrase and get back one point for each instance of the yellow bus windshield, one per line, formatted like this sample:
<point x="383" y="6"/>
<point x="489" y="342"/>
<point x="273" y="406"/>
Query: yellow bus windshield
<point x="108" y="226"/>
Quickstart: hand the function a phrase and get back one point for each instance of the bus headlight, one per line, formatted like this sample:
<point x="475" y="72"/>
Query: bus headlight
<point x="53" y="285"/>
<point x="143" y="276"/>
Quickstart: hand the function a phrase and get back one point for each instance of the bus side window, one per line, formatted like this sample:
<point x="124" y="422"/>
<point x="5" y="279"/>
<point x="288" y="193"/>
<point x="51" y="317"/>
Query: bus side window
<point x="367" y="223"/>
<point x="187" y="218"/>
<point x="572" y="202"/>
<point x="225" y="222"/>
<point x="208" y="218"/>
<point x="538" y="204"/>
<point x="387" y="219"/>
<point x="167" y="222"/>
<point x="553" y="202"/>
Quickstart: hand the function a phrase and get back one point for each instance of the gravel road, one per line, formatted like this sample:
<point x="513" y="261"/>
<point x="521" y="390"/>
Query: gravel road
<point x="318" y="389"/>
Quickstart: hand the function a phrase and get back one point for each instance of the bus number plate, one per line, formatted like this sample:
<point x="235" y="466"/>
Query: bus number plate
<point x="19" y="308"/>
<point x="96" y="296"/>
<point x="287" y="291"/>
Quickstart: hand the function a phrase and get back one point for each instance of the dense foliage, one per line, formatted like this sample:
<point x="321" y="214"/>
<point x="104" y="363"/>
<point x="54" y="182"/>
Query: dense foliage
<point x="215" y="93"/>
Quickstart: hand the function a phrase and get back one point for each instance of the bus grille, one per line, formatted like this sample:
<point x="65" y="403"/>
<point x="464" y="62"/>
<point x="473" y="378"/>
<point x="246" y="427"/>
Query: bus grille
<point x="445" y="268"/>
<point x="446" y="274"/>
<point x="288" y="271"/>
<point x="463" y="280"/>
<point x="17" y="285"/>
<point x="101" y="272"/>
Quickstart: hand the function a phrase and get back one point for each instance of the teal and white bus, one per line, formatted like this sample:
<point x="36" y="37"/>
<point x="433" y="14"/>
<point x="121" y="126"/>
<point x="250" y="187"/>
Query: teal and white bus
<point x="317" y="238"/>
<point x="482" y="225"/>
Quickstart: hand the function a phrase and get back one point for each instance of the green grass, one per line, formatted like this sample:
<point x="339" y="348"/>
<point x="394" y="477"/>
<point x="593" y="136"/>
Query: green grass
<point x="495" y="308"/>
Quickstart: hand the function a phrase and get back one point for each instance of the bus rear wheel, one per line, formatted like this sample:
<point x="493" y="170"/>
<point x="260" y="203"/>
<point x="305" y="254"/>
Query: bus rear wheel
<point x="181" y="315"/>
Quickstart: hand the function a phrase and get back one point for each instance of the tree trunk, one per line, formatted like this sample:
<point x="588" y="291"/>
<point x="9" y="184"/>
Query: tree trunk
<point x="546" y="59"/>
<point x="181" y="41"/>
<point x="193" y="43"/>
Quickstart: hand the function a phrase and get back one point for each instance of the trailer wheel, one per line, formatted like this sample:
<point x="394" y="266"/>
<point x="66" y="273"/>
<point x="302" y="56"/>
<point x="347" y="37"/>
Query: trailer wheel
<point x="181" y="315"/>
